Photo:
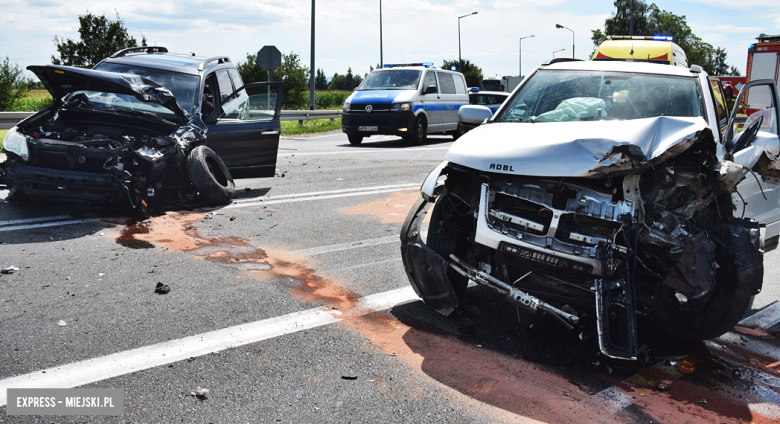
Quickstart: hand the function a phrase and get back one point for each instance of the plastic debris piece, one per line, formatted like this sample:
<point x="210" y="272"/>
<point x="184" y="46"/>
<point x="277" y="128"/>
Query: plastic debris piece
<point x="161" y="288"/>
<point x="101" y="274"/>
<point x="232" y="218"/>
<point x="10" y="270"/>
<point x="62" y="323"/>
<point x="299" y="394"/>
<point x="348" y="377"/>
<point x="685" y="367"/>
<point x="702" y="401"/>
<point x="664" y="384"/>
<point x="247" y="189"/>
<point x="641" y="394"/>
<point x="200" y="392"/>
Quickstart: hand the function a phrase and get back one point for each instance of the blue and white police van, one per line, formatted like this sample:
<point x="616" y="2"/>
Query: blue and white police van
<point x="409" y="100"/>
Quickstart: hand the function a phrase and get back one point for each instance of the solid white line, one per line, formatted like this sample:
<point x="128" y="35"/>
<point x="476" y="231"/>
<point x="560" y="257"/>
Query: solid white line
<point x="752" y="345"/>
<point x="121" y="363"/>
<point x="303" y="199"/>
<point x="28" y="220"/>
<point x="317" y="193"/>
<point x="764" y="318"/>
<point x="48" y="224"/>
<point x="363" y="151"/>
<point x="346" y="246"/>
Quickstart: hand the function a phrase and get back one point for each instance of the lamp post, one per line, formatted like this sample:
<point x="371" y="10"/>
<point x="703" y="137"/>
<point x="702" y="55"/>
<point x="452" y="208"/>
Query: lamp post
<point x="520" y="55"/>
<point x="311" y="74"/>
<point x="460" y="61"/>
<point x="381" y="61"/>
<point x="557" y="52"/>
<point x="559" y="26"/>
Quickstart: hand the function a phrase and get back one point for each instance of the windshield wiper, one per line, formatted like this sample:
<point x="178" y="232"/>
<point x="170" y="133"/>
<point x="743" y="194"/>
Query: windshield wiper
<point x="129" y="111"/>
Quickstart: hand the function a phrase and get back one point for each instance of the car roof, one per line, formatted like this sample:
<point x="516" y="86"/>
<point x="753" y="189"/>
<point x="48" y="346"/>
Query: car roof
<point x="621" y="66"/>
<point x="174" y="62"/>
<point x="498" y="93"/>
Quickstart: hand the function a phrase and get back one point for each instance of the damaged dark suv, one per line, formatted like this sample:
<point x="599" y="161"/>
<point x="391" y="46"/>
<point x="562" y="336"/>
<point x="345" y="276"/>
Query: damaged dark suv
<point x="143" y="126"/>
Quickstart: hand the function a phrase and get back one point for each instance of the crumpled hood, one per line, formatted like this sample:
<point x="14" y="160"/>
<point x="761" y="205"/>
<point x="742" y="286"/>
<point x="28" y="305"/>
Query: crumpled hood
<point x="63" y="80"/>
<point x="576" y="149"/>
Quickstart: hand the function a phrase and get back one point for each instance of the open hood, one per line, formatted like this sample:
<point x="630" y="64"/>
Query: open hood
<point x="576" y="149"/>
<point x="63" y="80"/>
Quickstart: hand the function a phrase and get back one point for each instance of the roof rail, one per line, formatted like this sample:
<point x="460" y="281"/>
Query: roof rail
<point x="561" y="59"/>
<point x="147" y="49"/>
<point x="218" y="59"/>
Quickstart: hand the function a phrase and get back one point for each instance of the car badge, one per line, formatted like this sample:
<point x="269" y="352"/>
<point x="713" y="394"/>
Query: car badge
<point x="369" y="108"/>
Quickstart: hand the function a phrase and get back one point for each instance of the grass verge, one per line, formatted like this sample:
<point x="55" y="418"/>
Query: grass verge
<point x="2" y="134"/>
<point x="310" y="126"/>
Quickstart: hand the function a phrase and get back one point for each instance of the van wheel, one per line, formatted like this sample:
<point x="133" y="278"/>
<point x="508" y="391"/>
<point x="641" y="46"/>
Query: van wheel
<point x="210" y="176"/>
<point x="355" y="139"/>
<point x="458" y="132"/>
<point x="419" y="132"/>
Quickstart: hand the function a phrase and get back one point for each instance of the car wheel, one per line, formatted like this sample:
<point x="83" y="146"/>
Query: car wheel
<point x="210" y="176"/>
<point x="458" y="132"/>
<point x="355" y="139"/>
<point x="420" y="131"/>
<point x="447" y="234"/>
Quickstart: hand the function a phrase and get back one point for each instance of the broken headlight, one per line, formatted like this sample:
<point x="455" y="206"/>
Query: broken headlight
<point x="16" y="143"/>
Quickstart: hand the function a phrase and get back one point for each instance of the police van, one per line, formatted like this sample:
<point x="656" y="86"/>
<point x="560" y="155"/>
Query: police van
<point x="408" y="100"/>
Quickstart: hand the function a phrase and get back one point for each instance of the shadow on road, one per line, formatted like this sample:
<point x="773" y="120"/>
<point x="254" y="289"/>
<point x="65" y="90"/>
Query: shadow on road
<point x="399" y="143"/>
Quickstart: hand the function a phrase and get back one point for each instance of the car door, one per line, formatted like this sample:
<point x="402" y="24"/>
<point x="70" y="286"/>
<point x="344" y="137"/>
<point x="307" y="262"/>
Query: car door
<point x="245" y="128"/>
<point x="431" y="101"/>
<point x="449" y="101"/>
<point x="759" y="192"/>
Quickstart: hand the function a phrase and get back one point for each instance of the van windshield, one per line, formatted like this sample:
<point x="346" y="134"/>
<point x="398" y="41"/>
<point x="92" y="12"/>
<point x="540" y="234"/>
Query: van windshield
<point x="556" y="96"/>
<point x="406" y="79"/>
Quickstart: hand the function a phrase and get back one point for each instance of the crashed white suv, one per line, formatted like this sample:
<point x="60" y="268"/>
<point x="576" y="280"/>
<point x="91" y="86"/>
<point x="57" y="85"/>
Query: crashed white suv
<point x="609" y="187"/>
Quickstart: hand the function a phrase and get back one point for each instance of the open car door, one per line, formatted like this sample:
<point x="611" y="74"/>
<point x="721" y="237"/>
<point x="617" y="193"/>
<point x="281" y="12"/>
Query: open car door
<point x="757" y="148"/>
<point x="244" y="129"/>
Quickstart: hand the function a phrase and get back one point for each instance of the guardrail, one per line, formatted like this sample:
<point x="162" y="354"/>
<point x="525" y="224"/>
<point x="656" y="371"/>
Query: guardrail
<point x="9" y="119"/>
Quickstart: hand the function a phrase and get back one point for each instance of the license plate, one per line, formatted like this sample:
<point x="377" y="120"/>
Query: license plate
<point x="368" y="128"/>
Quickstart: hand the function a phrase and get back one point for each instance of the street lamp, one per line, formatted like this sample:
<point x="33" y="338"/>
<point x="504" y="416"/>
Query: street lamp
<point x="460" y="61"/>
<point x="520" y="55"/>
<point x="557" y="52"/>
<point x="559" y="26"/>
<point x="381" y="60"/>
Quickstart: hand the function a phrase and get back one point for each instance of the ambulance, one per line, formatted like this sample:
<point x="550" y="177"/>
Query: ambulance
<point x="639" y="48"/>
<point x="408" y="100"/>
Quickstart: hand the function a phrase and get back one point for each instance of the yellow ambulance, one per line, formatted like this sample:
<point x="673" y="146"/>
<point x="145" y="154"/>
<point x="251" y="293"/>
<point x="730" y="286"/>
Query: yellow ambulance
<point x="652" y="49"/>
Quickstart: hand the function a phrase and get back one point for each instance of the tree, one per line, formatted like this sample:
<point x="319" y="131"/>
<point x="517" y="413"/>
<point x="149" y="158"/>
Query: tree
<point x="13" y="86"/>
<point x="338" y="82"/>
<point x="293" y="75"/>
<point x="321" y="81"/>
<point x="100" y="38"/>
<point x="471" y="71"/>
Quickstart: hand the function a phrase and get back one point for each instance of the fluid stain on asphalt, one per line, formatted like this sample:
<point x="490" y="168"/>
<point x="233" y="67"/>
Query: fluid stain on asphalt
<point x="128" y="239"/>
<point x="390" y="210"/>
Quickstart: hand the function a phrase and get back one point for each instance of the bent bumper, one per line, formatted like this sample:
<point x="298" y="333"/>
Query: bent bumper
<point x="55" y="183"/>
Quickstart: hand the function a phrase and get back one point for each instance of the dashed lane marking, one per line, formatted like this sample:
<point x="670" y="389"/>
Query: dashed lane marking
<point x="48" y="224"/>
<point x="325" y="192"/>
<point x="122" y="363"/>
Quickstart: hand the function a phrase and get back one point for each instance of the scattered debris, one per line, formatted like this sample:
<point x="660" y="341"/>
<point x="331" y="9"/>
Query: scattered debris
<point x="299" y="394"/>
<point x="247" y="189"/>
<point x="232" y="218"/>
<point x="62" y="323"/>
<point x="161" y="288"/>
<point x="200" y="393"/>
<point x="685" y="367"/>
<point x="339" y="179"/>
<point x="664" y="384"/>
<point x="702" y="401"/>
<point x="190" y="359"/>
<point x="10" y="270"/>
<point x="347" y="377"/>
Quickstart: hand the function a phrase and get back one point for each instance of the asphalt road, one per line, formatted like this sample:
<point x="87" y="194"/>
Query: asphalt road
<point x="292" y="305"/>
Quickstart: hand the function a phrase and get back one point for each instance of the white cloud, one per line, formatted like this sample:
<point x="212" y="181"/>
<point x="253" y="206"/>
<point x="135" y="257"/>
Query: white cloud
<point x="743" y="4"/>
<point x="731" y="28"/>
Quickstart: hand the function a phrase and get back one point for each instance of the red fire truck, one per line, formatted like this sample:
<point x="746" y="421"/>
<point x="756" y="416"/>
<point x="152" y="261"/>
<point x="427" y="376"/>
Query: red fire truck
<point x="762" y="63"/>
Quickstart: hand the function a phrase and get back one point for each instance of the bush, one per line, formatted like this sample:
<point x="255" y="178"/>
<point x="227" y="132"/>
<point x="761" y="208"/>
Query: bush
<point x="30" y="105"/>
<point x="13" y="86"/>
<point x="330" y="99"/>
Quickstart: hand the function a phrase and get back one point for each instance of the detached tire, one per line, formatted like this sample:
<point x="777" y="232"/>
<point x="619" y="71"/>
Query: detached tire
<point x="210" y="176"/>
<point x="355" y="139"/>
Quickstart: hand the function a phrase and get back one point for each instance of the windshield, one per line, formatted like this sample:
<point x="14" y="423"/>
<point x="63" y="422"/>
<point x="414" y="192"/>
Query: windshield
<point x="556" y="96"/>
<point x="391" y="80"/>
<point x="491" y="85"/>
<point x="184" y="88"/>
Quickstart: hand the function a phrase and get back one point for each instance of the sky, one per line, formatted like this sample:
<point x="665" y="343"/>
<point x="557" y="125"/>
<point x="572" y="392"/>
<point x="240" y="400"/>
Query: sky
<point x="347" y="33"/>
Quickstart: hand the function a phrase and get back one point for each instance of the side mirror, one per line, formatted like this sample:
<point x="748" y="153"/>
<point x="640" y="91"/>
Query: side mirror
<point x="474" y="115"/>
<point x="431" y="89"/>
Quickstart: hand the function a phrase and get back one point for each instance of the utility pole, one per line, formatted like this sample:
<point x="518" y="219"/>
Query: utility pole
<point x="381" y="60"/>
<point x="311" y="71"/>
<point x="631" y="28"/>
<point x="520" y="60"/>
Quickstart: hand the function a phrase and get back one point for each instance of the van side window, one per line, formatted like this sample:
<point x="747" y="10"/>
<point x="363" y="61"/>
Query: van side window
<point x="447" y="85"/>
<point x="430" y="79"/>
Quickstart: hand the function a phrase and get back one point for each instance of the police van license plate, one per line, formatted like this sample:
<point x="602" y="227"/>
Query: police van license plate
<point x="368" y="128"/>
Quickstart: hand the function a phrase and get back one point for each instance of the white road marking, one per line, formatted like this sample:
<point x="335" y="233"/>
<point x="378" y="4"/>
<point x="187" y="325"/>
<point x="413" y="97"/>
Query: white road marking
<point x="363" y="151"/>
<point x="303" y="199"/>
<point x="752" y="345"/>
<point x="614" y="398"/>
<point x="764" y="318"/>
<point x="347" y="246"/>
<point x="28" y="220"/>
<point x="121" y="363"/>
<point x="48" y="224"/>
<point x="317" y="193"/>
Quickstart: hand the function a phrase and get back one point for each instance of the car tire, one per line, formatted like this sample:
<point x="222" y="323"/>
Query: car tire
<point x="210" y="176"/>
<point x="419" y="132"/>
<point x="446" y="236"/>
<point x="355" y="139"/>
<point x="458" y="132"/>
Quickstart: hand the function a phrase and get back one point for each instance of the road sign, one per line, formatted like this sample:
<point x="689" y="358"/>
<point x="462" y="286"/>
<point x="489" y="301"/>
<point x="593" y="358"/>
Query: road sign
<point x="269" y="58"/>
